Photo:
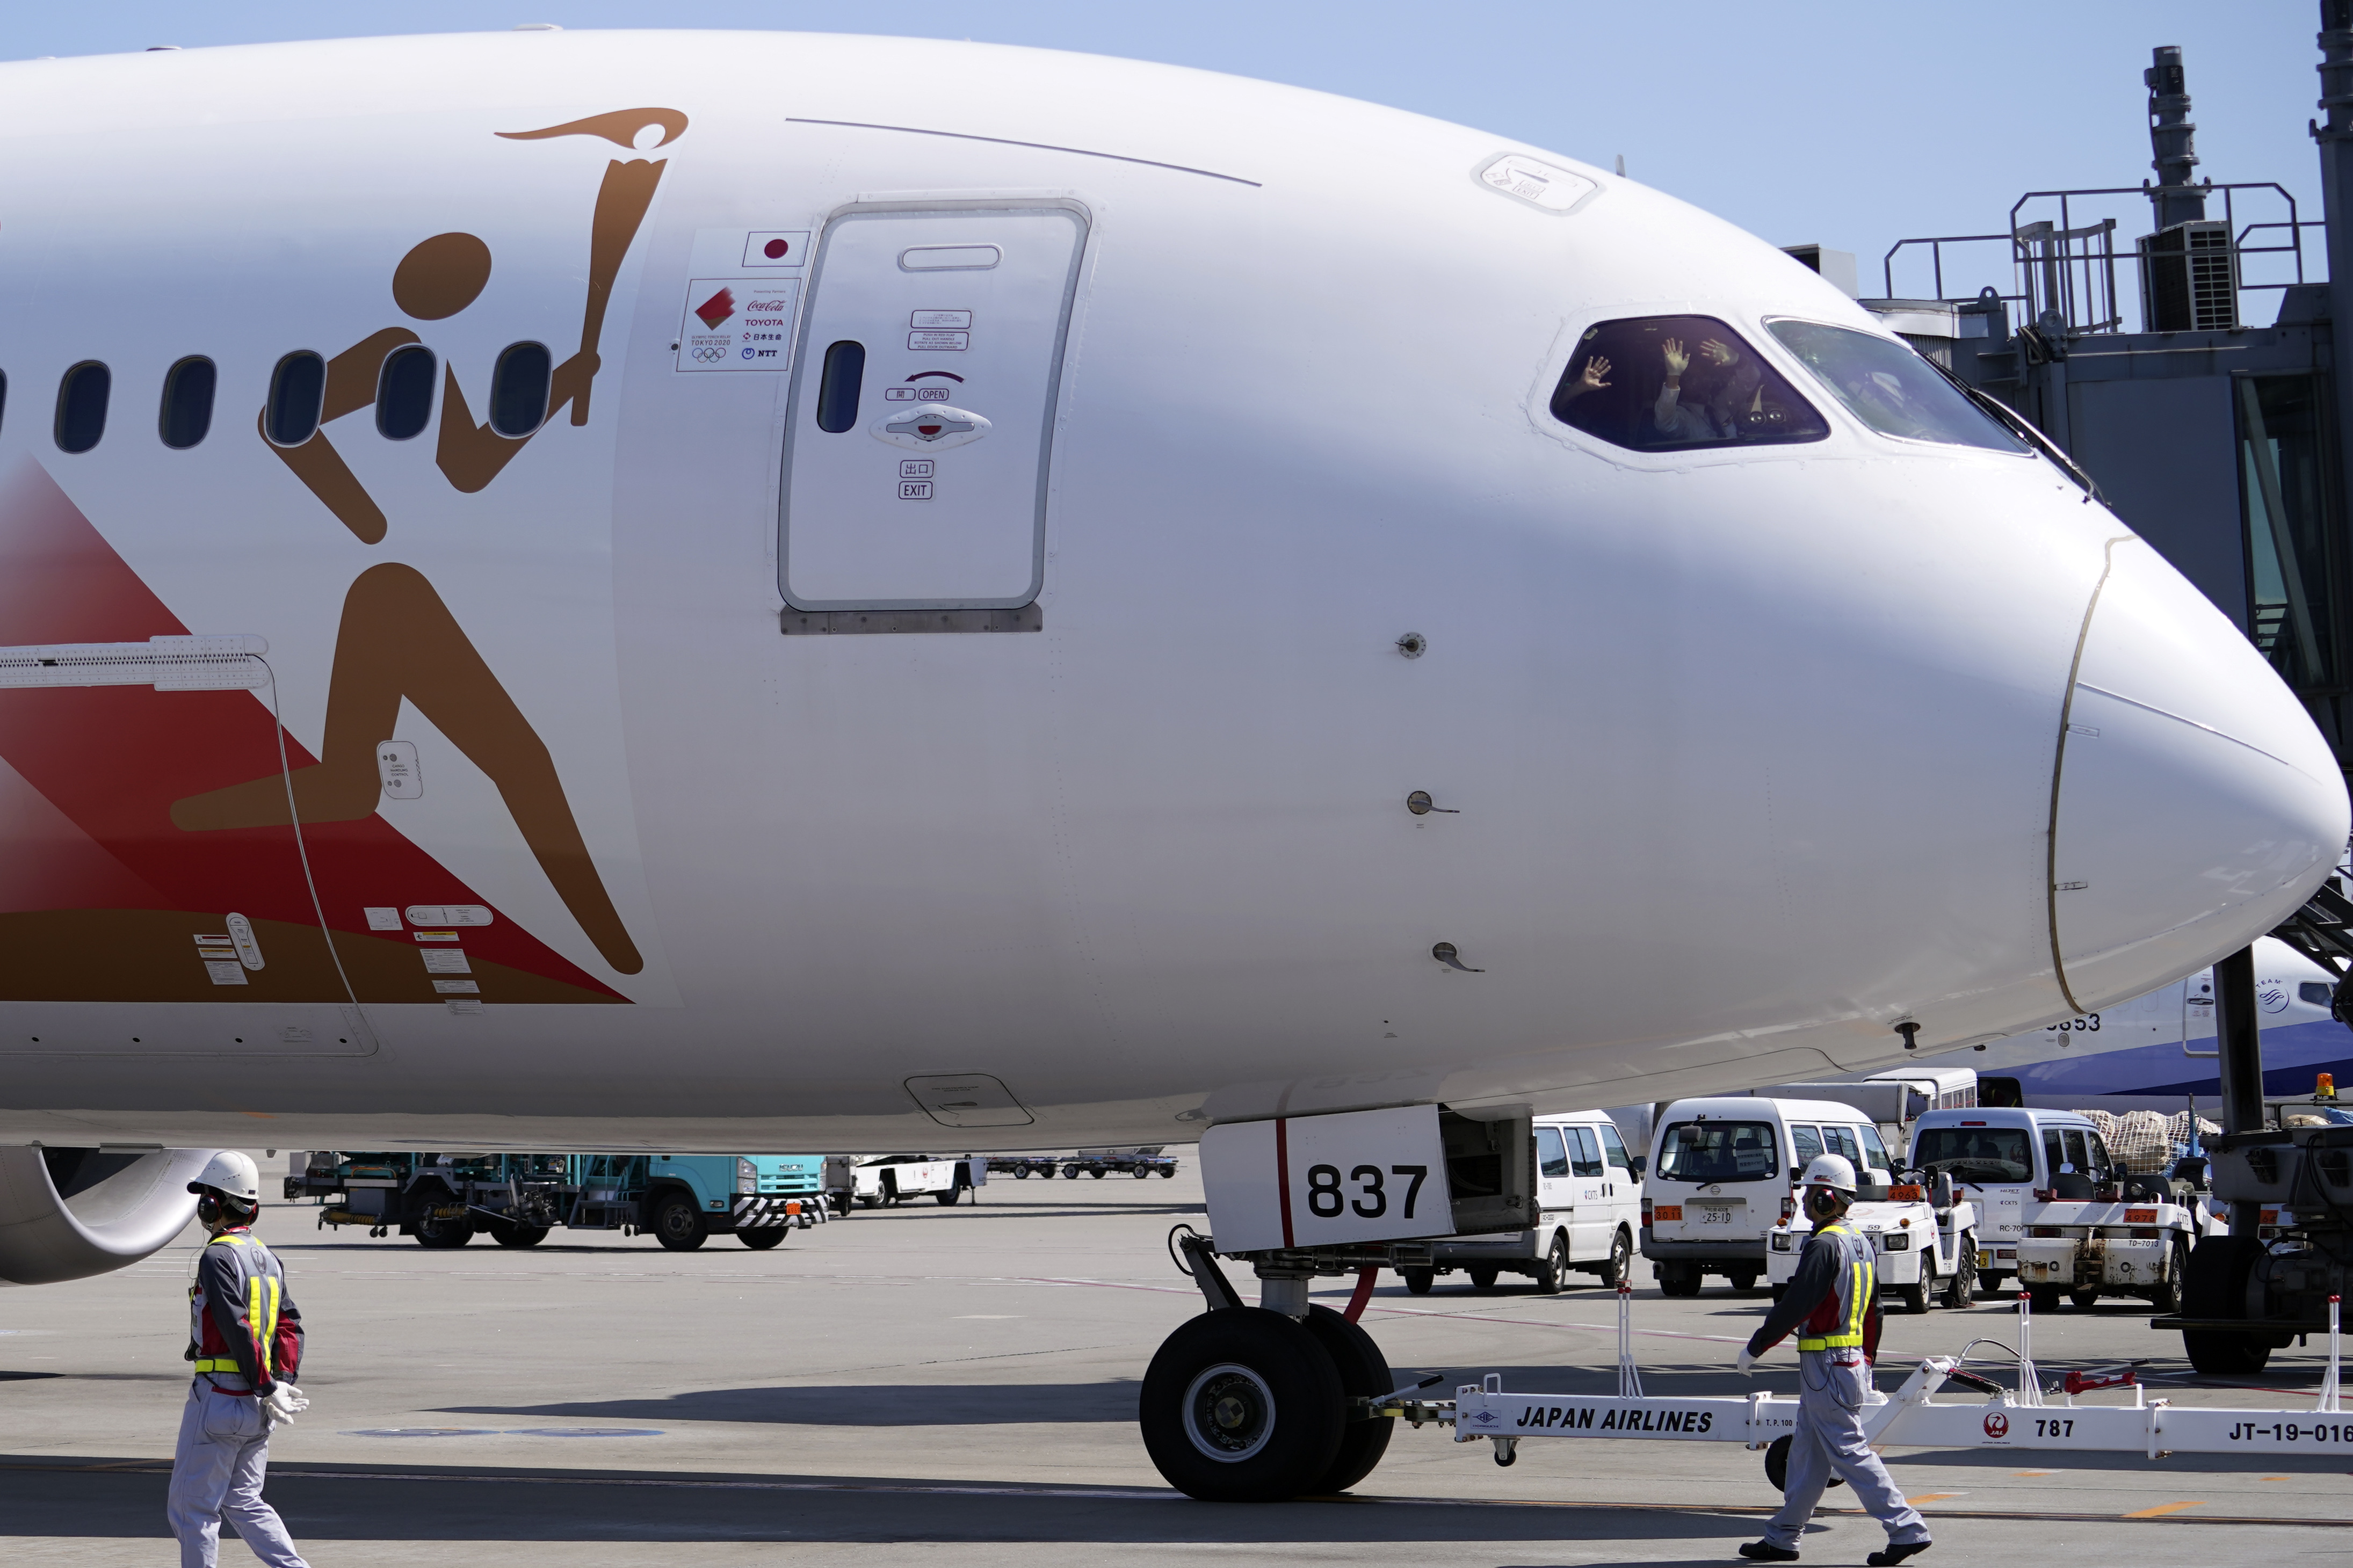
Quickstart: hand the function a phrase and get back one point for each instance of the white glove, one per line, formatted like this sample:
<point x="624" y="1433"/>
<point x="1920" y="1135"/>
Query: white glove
<point x="282" y="1404"/>
<point x="1744" y="1364"/>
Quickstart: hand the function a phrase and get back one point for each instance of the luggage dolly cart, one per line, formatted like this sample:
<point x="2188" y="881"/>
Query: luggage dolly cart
<point x="1997" y="1417"/>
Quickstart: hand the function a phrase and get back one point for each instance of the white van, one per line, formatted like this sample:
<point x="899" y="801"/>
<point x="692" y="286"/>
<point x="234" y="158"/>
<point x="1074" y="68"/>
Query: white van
<point x="1720" y="1175"/>
<point x="1588" y="1199"/>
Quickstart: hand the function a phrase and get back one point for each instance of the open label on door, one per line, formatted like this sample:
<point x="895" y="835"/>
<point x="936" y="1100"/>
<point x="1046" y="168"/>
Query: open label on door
<point x="885" y="344"/>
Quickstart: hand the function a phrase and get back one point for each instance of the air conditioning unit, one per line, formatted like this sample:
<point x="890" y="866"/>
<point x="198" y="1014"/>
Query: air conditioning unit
<point x="2190" y="278"/>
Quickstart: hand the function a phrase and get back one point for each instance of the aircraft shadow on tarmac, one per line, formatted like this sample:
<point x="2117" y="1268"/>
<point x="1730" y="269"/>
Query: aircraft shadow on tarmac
<point x="855" y="1405"/>
<point x="95" y="1497"/>
<point x="1000" y="1404"/>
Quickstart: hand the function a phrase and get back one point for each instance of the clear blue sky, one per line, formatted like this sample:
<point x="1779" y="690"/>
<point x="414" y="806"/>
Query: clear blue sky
<point x="1845" y="123"/>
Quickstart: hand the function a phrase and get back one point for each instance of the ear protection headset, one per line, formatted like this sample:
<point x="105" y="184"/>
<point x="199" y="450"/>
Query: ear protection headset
<point x="213" y="1207"/>
<point x="1823" y="1203"/>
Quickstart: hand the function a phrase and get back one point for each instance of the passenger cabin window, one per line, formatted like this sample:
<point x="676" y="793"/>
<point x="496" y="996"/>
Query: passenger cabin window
<point x="1673" y="383"/>
<point x="1704" y="1151"/>
<point x="1614" y="1150"/>
<point x="1891" y="388"/>
<point x="1552" y="1159"/>
<point x="187" y="413"/>
<point x="1805" y="1144"/>
<point x="837" y="393"/>
<point x="404" y="392"/>
<point x="1586" y="1161"/>
<point x="81" y="405"/>
<point x="298" y="392"/>
<point x="518" y="390"/>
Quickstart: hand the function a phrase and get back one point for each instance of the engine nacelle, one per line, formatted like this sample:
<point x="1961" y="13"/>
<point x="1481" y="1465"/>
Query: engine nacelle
<point x="68" y="1214"/>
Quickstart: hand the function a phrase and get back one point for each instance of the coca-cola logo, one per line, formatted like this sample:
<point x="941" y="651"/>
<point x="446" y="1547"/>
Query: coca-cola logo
<point x="1997" y="1425"/>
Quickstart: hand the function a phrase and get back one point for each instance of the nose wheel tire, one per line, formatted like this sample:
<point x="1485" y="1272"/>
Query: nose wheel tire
<point x="1364" y="1373"/>
<point x="1242" y="1405"/>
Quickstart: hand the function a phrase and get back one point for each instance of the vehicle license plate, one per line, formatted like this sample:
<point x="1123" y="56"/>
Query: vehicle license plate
<point x="1713" y="1213"/>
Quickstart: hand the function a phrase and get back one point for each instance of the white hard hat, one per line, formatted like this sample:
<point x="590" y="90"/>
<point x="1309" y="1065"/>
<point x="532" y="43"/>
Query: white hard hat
<point x="1833" y="1171"/>
<point x="231" y="1173"/>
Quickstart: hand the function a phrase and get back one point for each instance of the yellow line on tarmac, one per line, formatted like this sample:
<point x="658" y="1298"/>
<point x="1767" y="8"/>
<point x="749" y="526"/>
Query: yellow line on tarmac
<point x="2161" y="1510"/>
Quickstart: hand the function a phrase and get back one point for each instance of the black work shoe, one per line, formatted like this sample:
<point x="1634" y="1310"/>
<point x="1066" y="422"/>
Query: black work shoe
<point x="1766" y="1551"/>
<point x="1897" y="1551"/>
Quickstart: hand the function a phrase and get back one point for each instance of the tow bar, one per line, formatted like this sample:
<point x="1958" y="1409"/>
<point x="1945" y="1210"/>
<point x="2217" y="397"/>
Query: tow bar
<point x="1910" y="1417"/>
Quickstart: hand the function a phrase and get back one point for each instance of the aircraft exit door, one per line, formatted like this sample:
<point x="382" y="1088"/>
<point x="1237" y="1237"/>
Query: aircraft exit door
<point x="921" y="417"/>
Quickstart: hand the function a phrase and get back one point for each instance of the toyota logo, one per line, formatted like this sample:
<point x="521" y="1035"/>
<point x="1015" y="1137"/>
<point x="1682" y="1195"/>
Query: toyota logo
<point x="1997" y="1425"/>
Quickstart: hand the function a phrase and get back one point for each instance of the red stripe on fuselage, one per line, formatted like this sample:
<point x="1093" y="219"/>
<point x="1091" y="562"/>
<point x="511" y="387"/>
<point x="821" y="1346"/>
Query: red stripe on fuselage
<point x="1282" y="1174"/>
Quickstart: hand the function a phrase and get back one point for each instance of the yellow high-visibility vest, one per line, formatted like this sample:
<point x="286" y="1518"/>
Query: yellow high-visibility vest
<point x="1860" y="1282"/>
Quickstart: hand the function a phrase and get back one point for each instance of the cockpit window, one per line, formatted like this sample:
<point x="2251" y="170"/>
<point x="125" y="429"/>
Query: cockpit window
<point x="1889" y="388"/>
<point x="1670" y="383"/>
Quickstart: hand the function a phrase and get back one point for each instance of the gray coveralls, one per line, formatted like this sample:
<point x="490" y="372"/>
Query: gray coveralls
<point x="1827" y="1301"/>
<point x="242" y="1327"/>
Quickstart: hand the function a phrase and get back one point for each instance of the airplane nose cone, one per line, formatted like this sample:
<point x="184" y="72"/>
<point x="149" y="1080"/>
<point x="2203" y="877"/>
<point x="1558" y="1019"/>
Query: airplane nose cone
<point x="2196" y="805"/>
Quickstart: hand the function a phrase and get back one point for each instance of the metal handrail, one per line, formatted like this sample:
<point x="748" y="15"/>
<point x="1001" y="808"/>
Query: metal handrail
<point x="2053" y="250"/>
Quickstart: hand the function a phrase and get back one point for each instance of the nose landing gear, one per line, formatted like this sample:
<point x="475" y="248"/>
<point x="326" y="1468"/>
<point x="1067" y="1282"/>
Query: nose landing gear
<point x="1252" y="1404"/>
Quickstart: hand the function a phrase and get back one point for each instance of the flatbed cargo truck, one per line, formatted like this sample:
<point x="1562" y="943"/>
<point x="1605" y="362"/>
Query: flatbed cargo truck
<point x="446" y="1199"/>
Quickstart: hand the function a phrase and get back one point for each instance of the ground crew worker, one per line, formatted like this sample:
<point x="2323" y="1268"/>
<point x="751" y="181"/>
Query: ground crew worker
<point x="1831" y="1297"/>
<point x="246" y="1338"/>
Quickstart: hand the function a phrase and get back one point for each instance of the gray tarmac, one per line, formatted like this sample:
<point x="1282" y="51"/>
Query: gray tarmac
<point x="957" y="1386"/>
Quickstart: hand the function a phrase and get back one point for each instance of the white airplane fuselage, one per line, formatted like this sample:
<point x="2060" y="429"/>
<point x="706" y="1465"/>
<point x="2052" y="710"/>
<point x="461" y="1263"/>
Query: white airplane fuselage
<point x="1741" y="757"/>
